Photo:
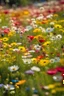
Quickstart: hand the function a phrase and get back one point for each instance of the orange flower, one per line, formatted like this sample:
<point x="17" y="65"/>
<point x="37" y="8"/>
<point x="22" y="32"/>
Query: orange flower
<point x="20" y="82"/>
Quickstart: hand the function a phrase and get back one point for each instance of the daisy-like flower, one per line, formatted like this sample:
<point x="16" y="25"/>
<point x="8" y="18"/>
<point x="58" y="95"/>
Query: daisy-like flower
<point x="35" y="68"/>
<point x="49" y="29"/>
<point x="53" y="38"/>
<point x="57" y="78"/>
<point x="44" y="62"/>
<point x="13" y="68"/>
<point x="5" y="39"/>
<point x="59" y="36"/>
<point x="52" y="60"/>
<point x="57" y="59"/>
<point x="27" y="61"/>
<point x="9" y="87"/>
<point x="37" y="47"/>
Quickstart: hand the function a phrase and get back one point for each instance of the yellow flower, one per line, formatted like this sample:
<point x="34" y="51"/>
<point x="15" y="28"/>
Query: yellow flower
<point x="38" y="22"/>
<point x="12" y="33"/>
<point x="62" y="30"/>
<point x="53" y="91"/>
<point x="38" y="36"/>
<point x="44" y="62"/>
<point x="58" y="26"/>
<point x="51" y="86"/>
<point x="36" y="30"/>
<point x="62" y="61"/>
<point x="34" y="60"/>
<point x="22" y="48"/>
<point x="26" y="12"/>
<point x="5" y="39"/>
<point x="13" y="44"/>
<point x="46" y="43"/>
<point x="5" y="45"/>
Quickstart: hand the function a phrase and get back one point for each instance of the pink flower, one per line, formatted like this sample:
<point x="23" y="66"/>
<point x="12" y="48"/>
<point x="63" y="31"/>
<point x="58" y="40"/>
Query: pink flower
<point x="52" y="71"/>
<point x="60" y="69"/>
<point x="6" y="30"/>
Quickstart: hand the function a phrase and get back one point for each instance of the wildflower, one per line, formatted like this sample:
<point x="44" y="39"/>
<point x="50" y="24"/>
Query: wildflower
<point x="5" y="39"/>
<point x="49" y="29"/>
<point x="1" y="85"/>
<point x="57" y="78"/>
<point x="58" y="26"/>
<point x="34" y="60"/>
<point x="27" y="61"/>
<point x="37" y="47"/>
<point x="22" y="48"/>
<point x="62" y="61"/>
<point x="35" y="68"/>
<point x="9" y="87"/>
<point x="13" y="68"/>
<point x="58" y="36"/>
<point x="52" y="71"/>
<point x="51" y="86"/>
<point x="52" y="60"/>
<point x="30" y="72"/>
<point x="20" y="82"/>
<point x="60" y="69"/>
<point x="37" y="30"/>
<point x="46" y="43"/>
<point x="44" y="62"/>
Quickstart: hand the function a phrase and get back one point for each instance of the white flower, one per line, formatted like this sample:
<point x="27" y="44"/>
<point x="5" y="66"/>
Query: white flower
<point x="27" y="61"/>
<point x="19" y="43"/>
<point x="57" y="78"/>
<point x="24" y="57"/>
<point x="57" y="59"/>
<point x="49" y="16"/>
<point x="12" y="92"/>
<point x="31" y="51"/>
<point x="53" y="38"/>
<point x="9" y="87"/>
<point x="52" y="60"/>
<point x="58" y="36"/>
<point x="16" y="49"/>
<point x="13" y="68"/>
<point x="34" y="68"/>
<point x="37" y="47"/>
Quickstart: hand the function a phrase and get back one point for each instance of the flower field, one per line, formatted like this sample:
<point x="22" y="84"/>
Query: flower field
<point x="32" y="50"/>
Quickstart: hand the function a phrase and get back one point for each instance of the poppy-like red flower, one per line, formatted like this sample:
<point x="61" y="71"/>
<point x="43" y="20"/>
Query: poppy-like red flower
<point x="6" y="30"/>
<point x="17" y="23"/>
<point x="52" y="71"/>
<point x="60" y="69"/>
<point x="6" y="11"/>
<point x="61" y="1"/>
<point x="30" y="37"/>
<point x="41" y="40"/>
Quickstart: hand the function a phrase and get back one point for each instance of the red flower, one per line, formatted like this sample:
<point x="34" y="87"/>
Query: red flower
<point x="52" y="71"/>
<point x="6" y="31"/>
<point x="30" y="37"/>
<point x="41" y="40"/>
<point x="60" y="69"/>
<point x="6" y="11"/>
